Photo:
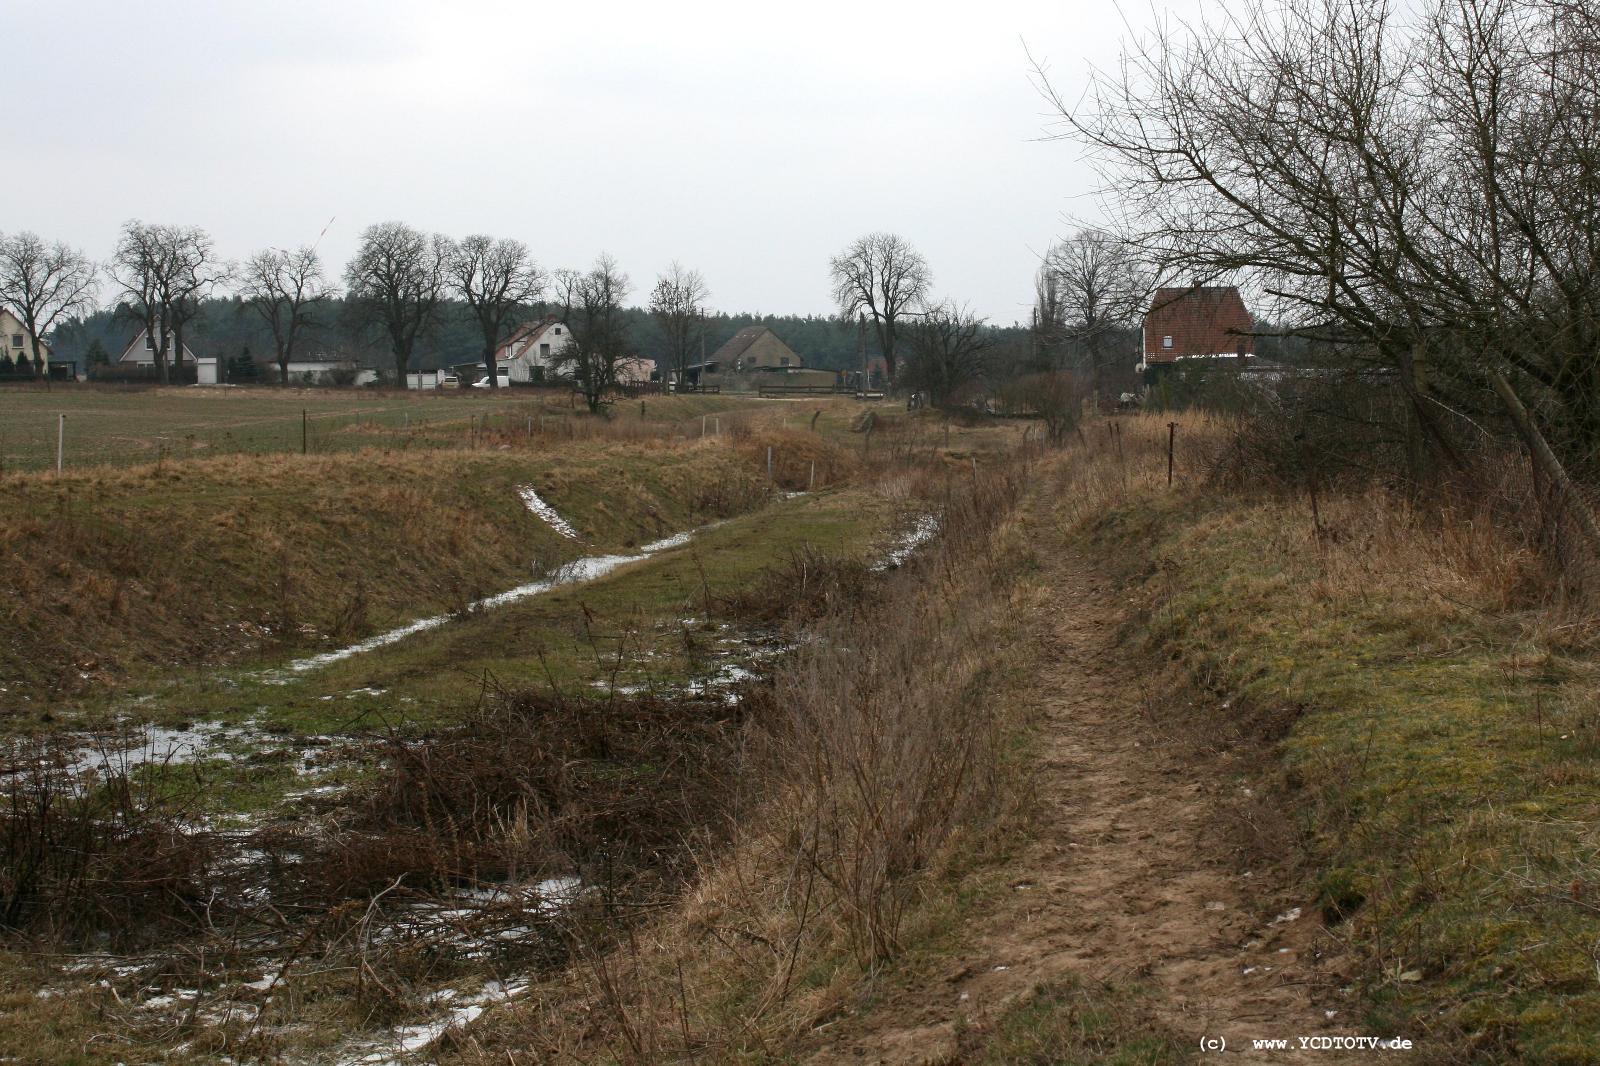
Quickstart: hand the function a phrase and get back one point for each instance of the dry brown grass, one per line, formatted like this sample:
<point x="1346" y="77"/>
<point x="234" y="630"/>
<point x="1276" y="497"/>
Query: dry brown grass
<point x="1414" y="671"/>
<point x="877" y="758"/>
<point x="117" y="572"/>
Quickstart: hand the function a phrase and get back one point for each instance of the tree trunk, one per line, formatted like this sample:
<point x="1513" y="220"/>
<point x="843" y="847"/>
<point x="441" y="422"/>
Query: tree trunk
<point x="488" y="364"/>
<point x="1563" y="491"/>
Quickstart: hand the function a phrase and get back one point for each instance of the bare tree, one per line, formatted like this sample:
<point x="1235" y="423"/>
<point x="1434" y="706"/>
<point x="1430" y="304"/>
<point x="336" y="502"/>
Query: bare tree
<point x="395" y="282"/>
<point x="677" y="303"/>
<point x="591" y="303"/>
<point x="884" y="276"/>
<point x="1098" y="288"/>
<point x="42" y="282"/>
<point x="1421" y="194"/>
<point x="164" y="272"/>
<point x="949" y="352"/>
<point x="499" y="281"/>
<point x="286" y="289"/>
<point x="195" y="271"/>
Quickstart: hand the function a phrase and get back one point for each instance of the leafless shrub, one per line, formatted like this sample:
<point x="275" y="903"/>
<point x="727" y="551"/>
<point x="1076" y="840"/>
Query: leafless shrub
<point x="809" y="585"/>
<point x="89" y="852"/>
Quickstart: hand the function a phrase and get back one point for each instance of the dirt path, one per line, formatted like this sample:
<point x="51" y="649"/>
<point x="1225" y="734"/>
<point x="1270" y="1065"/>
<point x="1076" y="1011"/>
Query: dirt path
<point x="1128" y="881"/>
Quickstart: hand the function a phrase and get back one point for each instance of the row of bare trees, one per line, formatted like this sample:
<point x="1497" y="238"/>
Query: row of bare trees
<point x="1091" y="289"/>
<point x="1415" y="191"/>
<point x="397" y="285"/>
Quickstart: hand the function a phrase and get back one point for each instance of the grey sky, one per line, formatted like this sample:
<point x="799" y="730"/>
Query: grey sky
<point x="751" y="141"/>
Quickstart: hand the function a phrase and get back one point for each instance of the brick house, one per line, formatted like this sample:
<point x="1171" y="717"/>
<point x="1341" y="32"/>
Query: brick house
<point x="1196" y="322"/>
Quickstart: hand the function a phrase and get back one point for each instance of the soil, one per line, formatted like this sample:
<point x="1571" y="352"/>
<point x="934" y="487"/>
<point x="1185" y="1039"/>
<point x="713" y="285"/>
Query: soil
<point x="1134" y="877"/>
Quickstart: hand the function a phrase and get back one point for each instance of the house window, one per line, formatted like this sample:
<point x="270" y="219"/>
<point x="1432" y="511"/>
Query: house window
<point x="784" y="360"/>
<point x="558" y="331"/>
<point x="16" y="340"/>
<point x="1166" y="342"/>
<point x="544" y="351"/>
<point x="149" y="343"/>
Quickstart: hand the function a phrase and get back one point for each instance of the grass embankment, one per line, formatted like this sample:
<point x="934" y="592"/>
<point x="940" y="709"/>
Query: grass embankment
<point x="113" y="573"/>
<point x="874" y="780"/>
<point x="1422" y="711"/>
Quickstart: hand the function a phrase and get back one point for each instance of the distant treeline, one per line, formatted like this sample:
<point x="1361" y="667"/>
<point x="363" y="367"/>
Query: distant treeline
<point x="228" y="328"/>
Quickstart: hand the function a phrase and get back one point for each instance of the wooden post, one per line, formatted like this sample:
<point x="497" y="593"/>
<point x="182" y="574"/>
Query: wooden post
<point x="1172" y="435"/>
<point x="61" y="441"/>
<point x="812" y="483"/>
<point x="305" y="442"/>
<point x="769" y="463"/>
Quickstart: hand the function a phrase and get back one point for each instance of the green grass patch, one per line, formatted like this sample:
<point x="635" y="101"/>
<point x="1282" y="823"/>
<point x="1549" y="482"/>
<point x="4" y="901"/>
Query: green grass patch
<point x="1440" y="761"/>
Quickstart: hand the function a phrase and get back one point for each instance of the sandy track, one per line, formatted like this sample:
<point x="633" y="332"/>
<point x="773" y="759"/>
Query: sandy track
<point x="1128" y="879"/>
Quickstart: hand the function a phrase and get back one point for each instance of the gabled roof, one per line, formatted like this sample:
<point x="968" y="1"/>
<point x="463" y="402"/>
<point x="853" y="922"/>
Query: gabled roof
<point x="188" y="352"/>
<point x="740" y="343"/>
<point x="1201" y="320"/>
<point x="529" y="332"/>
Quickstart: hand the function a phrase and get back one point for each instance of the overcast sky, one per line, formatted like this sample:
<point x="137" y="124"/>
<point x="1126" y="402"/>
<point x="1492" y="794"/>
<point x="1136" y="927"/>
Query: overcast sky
<point x="751" y="141"/>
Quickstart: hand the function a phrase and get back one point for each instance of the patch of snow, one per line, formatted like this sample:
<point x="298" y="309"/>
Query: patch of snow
<point x="545" y="511"/>
<point x="579" y="571"/>
<point x="923" y="530"/>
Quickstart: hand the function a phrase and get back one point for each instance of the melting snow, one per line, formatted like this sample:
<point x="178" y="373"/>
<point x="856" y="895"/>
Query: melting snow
<point x="588" y="568"/>
<point x="546" y="512"/>
<point x="925" y="529"/>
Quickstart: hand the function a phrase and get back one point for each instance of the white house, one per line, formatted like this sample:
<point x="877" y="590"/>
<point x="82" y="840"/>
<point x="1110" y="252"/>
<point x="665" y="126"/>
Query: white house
<point x="141" y="351"/>
<point x="530" y="352"/>
<point x="15" y="340"/>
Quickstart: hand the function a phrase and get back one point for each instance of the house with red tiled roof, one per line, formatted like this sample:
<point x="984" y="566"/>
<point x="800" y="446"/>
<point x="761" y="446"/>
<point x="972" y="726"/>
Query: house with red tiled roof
<point x="1196" y="322"/>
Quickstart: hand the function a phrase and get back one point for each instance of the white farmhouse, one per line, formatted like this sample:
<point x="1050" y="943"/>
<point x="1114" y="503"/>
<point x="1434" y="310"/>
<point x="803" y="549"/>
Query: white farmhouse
<point x="141" y="351"/>
<point x="530" y="353"/>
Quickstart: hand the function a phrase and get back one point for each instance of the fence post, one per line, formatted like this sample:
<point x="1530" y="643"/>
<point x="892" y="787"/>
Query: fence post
<point x="769" y="464"/>
<point x="304" y="442"/>
<point x="1172" y="436"/>
<point x="812" y="484"/>
<point x="61" y="441"/>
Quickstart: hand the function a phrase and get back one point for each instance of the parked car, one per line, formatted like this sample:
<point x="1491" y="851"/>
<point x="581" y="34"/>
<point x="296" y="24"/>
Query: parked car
<point x="483" y="382"/>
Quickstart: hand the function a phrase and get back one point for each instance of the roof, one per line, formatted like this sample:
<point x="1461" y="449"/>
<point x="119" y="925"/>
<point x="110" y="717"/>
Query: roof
<point x="529" y="331"/>
<point x="740" y="343"/>
<point x="1201" y="320"/>
<point x="188" y="352"/>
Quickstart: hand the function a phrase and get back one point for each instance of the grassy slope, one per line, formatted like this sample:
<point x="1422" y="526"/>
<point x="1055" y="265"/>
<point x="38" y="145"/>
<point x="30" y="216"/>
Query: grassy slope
<point x="115" y="573"/>
<point x="1440" y="756"/>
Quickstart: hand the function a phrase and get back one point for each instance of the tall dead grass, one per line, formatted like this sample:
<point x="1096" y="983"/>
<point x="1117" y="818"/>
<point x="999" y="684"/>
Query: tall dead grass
<point x="875" y="755"/>
<point x="1484" y="538"/>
